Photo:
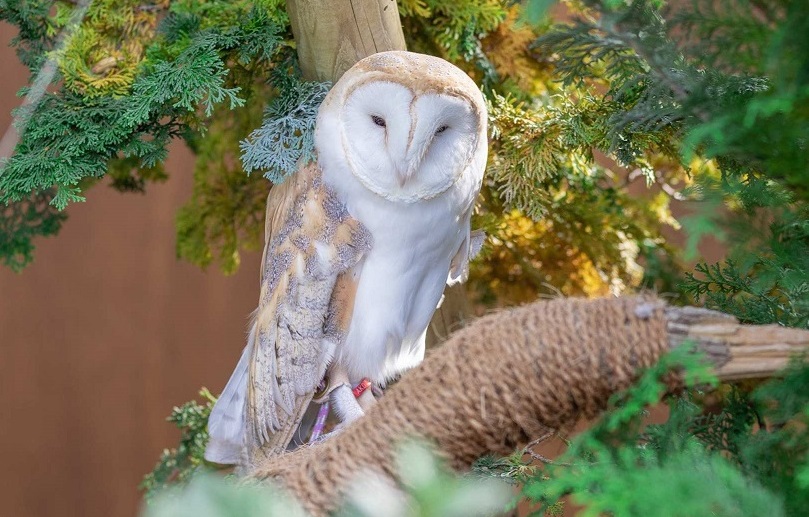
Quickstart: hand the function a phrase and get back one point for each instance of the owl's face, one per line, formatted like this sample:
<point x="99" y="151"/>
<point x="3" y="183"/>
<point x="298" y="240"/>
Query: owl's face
<point x="406" y="125"/>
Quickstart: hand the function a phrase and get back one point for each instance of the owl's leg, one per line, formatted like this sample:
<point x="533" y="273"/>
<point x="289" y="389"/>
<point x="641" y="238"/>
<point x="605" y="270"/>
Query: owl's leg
<point x="348" y="406"/>
<point x="345" y="405"/>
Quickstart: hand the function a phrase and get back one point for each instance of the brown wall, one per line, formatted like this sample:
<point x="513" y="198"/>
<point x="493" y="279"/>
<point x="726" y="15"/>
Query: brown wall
<point x="100" y="337"/>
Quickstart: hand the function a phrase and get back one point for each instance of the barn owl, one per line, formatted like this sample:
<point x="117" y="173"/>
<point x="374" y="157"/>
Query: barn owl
<point x="358" y="249"/>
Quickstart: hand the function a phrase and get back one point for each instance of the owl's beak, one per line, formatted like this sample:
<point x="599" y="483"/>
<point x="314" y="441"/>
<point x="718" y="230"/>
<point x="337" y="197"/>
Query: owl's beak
<point x="404" y="175"/>
<point x="411" y="163"/>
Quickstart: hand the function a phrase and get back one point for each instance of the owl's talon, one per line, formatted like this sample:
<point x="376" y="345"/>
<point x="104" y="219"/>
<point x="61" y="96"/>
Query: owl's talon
<point x="331" y="434"/>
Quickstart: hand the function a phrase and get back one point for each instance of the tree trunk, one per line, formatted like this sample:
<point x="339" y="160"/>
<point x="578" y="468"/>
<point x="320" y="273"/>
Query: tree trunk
<point x="331" y="36"/>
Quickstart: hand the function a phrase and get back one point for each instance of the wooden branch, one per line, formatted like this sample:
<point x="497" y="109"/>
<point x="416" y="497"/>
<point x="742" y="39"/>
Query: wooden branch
<point x="738" y="351"/>
<point x="510" y="377"/>
<point x="332" y="35"/>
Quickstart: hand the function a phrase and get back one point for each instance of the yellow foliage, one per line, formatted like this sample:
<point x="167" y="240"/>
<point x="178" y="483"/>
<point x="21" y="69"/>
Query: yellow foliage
<point x="530" y="257"/>
<point x="414" y="8"/>
<point x="507" y="47"/>
<point x="102" y="55"/>
<point x="587" y="244"/>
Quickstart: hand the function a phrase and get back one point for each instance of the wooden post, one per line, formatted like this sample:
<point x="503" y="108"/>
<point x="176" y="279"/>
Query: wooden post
<point x="331" y="36"/>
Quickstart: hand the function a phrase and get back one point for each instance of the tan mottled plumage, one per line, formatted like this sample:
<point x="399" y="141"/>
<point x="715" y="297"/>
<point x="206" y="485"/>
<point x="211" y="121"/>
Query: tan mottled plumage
<point x="310" y="241"/>
<point x="309" y="245"/>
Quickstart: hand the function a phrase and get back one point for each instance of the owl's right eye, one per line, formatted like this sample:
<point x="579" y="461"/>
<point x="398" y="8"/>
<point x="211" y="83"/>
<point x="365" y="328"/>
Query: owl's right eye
<point x="379" y="121"/>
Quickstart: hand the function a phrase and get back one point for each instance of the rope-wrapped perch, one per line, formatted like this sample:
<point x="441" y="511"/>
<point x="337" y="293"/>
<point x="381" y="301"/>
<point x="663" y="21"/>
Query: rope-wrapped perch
<point x="511" y="376"/>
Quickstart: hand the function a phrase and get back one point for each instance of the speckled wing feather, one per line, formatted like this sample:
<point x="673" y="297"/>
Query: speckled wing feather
<point x="311" y="242"/>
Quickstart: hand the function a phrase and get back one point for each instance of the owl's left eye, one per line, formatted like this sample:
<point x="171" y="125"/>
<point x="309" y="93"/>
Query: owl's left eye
<point x="379" y="121"/>
<point x="441" y="129"/>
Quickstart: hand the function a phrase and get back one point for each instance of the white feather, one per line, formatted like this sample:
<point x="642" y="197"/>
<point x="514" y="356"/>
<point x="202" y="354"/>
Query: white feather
<point x="419" y="225"/>
<point x="226" y="425"/>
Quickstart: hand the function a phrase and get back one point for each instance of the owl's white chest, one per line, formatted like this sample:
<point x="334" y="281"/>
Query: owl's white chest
<point x="402" y="278"/>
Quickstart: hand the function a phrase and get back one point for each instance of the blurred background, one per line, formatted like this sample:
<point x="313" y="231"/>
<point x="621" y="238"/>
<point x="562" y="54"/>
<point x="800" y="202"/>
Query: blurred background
<point x="101" y="336"/>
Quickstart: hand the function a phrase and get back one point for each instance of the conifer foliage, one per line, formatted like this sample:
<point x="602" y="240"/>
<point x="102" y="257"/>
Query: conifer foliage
<point x="134" y="75"/>
<point x="747" y="457"/>
<point x="718" y="89"/>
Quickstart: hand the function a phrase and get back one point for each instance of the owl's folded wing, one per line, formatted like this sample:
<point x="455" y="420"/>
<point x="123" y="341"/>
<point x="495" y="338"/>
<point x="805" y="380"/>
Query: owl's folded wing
<point x="310" y="242"/>
<point x="470" y="247"/>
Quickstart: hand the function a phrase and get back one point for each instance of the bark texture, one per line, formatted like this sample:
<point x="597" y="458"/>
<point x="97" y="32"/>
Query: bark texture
<point x="332" y="35"/>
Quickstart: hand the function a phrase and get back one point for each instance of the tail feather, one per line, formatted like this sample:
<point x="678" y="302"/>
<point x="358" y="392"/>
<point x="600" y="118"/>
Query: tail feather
<point x="226" y="425"/>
